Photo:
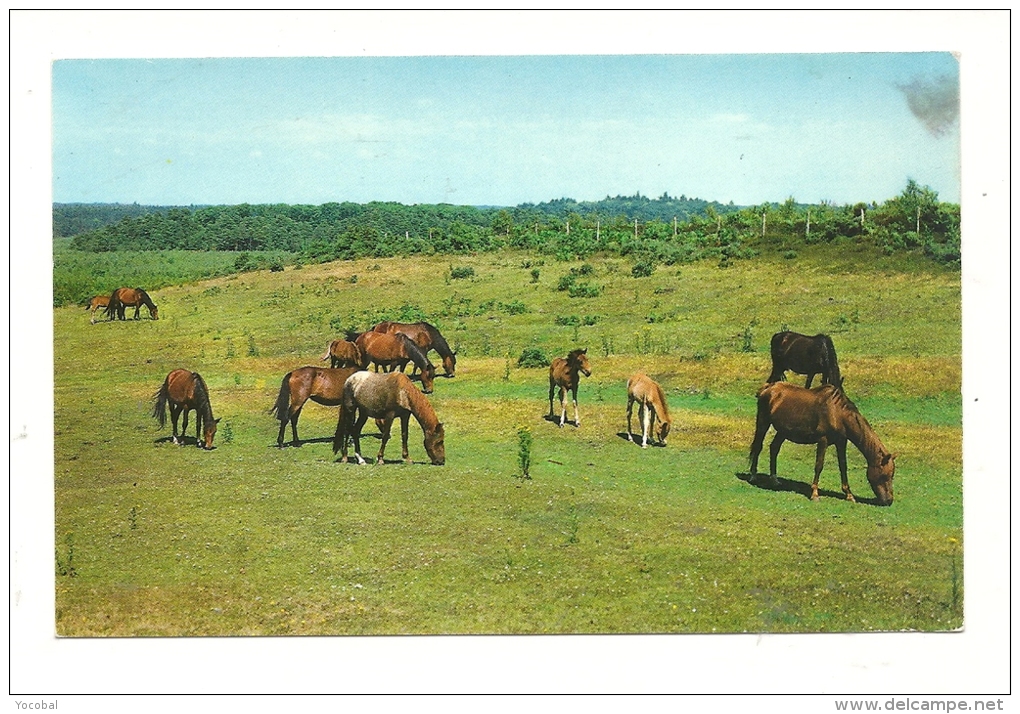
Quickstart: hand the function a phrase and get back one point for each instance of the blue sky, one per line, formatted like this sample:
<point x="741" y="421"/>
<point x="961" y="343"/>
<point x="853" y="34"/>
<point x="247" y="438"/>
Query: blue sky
<point x="504" y="130"/>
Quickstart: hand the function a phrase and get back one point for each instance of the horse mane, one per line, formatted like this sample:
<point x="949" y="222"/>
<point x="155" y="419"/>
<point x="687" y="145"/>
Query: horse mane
<point x="417" y="356"/>
<point x="203" y="407"/>
<point x="352" y="336"/>
<point x="439" y="342"/>
<point x="830" y="363"/>
<point x="664" y="416"/>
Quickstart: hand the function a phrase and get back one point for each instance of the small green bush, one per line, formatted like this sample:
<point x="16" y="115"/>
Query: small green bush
<point x="533" y="357"/>
<point x="643" y="269"/>
<point x="462" y="272"/>
<point x="584" y="290"/>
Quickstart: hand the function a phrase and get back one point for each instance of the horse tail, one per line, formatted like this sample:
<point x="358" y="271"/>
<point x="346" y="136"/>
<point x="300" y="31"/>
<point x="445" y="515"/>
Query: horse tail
<point x="114" y="304"/>
<point x="329" y="352"/>
<point x="347" y="406"/>
<point x="778" y="364"/>
<point x="282" y="407"/>
<point x="159" y="403"/>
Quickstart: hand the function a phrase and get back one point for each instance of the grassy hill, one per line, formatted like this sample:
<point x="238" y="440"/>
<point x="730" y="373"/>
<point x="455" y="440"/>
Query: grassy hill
<point x="152" y="539"/>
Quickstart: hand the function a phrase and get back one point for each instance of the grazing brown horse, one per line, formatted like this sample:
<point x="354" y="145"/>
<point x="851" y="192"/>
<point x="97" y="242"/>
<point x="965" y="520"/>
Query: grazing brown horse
<point x="123" y="298"/>
<point x="184" y="391"/>
<point x="651" y="405"/>
<point x="804" y="355"/>
<point x="343" y="353"/>
<point x="426" y="337"/>
<point x="394" y="351"/>
<point x="322" y="386"/>
<point x="563" y="373"/>
<point x="99" y="301"/>
<point x="822" y="416"/>
<point x="386" y="397"/>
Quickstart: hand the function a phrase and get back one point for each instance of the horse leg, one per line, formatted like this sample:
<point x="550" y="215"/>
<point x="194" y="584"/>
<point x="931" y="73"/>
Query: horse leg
<point x="647" y="422"/>
<point x="552" y="390"/>
<point x="841" y="457"/>
<point x="577" y="416"/>
<point x="563" y="406"/>
<point x="184" y="427"/>
<point x="403" y="437"/>
<point x="630" y="411"/>
<point x="138" y="311"/>
<point x="819" y="463"/>
<point x="358" y="426"/>
<point x="385" y="429"/>
<point x="810" y="378"/>
<point x="774" y="447"/>
<point x="175" y="411"/>
<point x="293" y="427"/>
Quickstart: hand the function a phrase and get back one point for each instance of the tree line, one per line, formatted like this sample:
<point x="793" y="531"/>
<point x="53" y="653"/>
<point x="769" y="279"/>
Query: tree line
<point x="664" y="230"/>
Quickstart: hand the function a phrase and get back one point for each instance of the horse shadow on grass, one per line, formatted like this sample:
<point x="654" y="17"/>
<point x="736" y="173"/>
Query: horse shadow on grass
<point x="553" y="419"/>
<point x="317" y="440"/>
<point x="799" y="487"/>
<point x="637" y="440"/>
<point x="183" y="441"/>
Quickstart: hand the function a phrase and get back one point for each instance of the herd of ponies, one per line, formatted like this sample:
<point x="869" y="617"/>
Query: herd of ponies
<point x="823" y="415"/>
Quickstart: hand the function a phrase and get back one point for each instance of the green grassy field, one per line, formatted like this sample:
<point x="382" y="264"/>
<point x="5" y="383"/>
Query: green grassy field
<point x="153" y="539"/>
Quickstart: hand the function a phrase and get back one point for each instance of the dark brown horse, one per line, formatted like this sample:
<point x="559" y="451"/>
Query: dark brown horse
<point x="804" y="355"/>
<point x="184" y="391"/>
<point x="322" y="386"/>
<point x="99" y="301"/>
<point x="386" y="397"/>
<point x="564" y="373"/>
<point x="822" y="416"/>
<point x="394" y="352"/>
<point x="123" y="298"/>
<point x="426" y="337"/>
<point x="343" y="353"/>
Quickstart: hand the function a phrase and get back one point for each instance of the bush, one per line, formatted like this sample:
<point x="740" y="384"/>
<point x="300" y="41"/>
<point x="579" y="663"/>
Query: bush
<point x="643" y="268"/>
<point x="584" y="290"/>
<point x="533" y="357"/>
<point x="461" y="272"/>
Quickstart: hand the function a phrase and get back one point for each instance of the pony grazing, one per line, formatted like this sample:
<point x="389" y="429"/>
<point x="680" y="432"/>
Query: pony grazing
<point x="184" y="391"/>
<point x="123" y="298"/>
<point x="822" y="416"/>
<point x="386" y="397"/>
<point x="426" y="337"/>
<point x="652" y="405"/>
<point x="322" y="386"/>
<point x="343" y="353"/>
<point x="99" y="301"/>
<point x="392" y="352"/>
<point x="804" y="355"/>
<point x="563" y="373"/>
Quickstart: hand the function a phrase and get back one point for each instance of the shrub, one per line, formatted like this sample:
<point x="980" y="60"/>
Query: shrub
<point x="643" y="268"/>
<point x="584" y="290"/>
<point x="533" y="357"/>
<point x="461" y="272"/>
<point x="534" y="275"/>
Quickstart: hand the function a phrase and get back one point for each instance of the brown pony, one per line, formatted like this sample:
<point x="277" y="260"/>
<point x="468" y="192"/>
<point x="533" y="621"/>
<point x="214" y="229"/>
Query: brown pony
<point x="822" y="416"/>
<point x="651" y="405"/>
<point x="563" y="373"/>
<point x="392" y="352"/>
<point x="185" y="391"/>
<point x="122" y="298"/>
<point x="99" y="301"/>
<point x="804" y="355"/>
<point x="322" y="386"/>
<point x="386" y="397"/>
<point x="426" y="337"/>
<point x="343" y="353"/>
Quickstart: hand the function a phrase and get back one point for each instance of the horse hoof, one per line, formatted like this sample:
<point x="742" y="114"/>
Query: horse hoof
<point x="814" y="497"/>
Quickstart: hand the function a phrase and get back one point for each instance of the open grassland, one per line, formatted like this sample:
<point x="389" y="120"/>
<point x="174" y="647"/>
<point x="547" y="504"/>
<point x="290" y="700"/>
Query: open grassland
<point x="153" y="539"/>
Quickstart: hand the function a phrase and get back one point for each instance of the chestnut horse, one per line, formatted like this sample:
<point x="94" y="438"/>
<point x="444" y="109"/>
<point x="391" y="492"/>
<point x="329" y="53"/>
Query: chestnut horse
<point x="386" y="397"/>
<point x="99" y="301"/>
<point x="651" y="405"/>
<point x="393" y="351"/>
<point x="426" y="337"/>
<point x="343" y="353"/>
<point x="804" y="355"/>
<point x="322" y="386"/>
<point x="122" y="298"/>
<point x="822" y="416"/>
<point x="563" y="373"/>
<point x="184" y="391"/>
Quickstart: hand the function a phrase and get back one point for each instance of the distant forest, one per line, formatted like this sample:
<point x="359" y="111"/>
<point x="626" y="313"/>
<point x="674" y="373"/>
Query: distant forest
<point x="662" y="230"/>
